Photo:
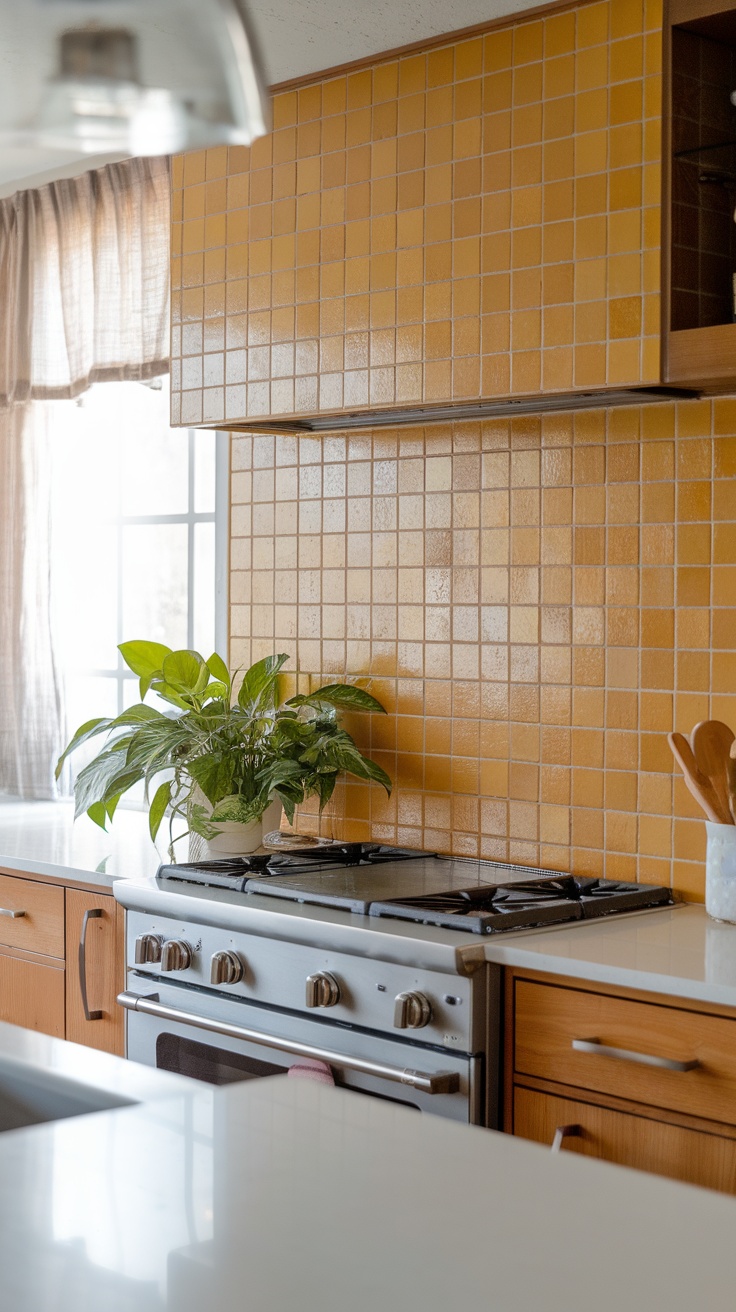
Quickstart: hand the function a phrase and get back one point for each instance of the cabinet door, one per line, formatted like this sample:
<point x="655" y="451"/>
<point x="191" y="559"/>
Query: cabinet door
<point x="95" y="967"/>
<point x="636" y="1141"/>
<point x="32" y="993"/>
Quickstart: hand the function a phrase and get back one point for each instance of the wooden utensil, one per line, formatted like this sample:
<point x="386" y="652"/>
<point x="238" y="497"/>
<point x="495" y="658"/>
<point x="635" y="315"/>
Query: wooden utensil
<point x="699" y="784"/>
<point x="711" y="741"/>
<point x="731" y="769"/>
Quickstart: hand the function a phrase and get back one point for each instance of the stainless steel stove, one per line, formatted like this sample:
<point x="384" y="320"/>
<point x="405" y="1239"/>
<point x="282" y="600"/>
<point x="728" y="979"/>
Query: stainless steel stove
<point x="366" y="958"/>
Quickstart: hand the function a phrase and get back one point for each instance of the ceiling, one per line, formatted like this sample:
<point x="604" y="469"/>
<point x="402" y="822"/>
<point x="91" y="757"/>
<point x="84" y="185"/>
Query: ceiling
<point x="298" y="37"/>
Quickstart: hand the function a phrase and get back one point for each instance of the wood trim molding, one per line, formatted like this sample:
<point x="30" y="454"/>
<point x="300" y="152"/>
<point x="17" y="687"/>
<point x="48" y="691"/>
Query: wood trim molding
<point x="428" y="43"/>
<point x="689" y="11"/>
<point x="705" y="354"/>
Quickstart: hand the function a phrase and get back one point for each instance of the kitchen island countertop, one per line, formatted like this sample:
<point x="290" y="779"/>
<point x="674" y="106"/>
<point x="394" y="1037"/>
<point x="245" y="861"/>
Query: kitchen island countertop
<point x="281" y="1194"/>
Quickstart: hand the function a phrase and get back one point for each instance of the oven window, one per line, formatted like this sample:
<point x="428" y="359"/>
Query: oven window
<point x="212" y="1065"/>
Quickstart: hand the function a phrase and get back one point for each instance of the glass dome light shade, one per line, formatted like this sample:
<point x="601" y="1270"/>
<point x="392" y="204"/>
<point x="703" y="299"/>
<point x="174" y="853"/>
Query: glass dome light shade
<point x="109" y="79"/>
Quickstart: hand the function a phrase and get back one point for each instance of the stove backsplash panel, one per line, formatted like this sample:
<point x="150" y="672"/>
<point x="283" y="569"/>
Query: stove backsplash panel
<point x="536" y="601"/>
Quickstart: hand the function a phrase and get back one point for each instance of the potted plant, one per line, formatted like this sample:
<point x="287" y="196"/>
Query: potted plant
<point x="216" y="759"/>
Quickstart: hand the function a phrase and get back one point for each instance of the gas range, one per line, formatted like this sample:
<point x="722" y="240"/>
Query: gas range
<point x="340" y="953"/>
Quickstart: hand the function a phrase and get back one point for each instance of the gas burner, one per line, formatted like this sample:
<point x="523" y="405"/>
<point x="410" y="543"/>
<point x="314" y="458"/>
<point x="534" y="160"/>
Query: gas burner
<point x="493" y="909"/>
<point x="261" y="867"/>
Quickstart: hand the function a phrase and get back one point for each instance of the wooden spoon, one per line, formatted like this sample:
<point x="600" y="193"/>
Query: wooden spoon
<point x="711" y="741"/>
<point x="731" y="771"/>
<point x="700" y="786"/>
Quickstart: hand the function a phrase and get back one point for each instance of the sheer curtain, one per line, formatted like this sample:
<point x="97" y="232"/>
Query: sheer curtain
<point x="84" y="297"/>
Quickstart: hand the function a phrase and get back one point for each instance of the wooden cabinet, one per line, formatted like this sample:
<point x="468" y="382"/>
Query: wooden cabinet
<point x="699" y="234"/>
<point x="95" y="971"/>
<point x="62" y="961"/>
<point x="632" y="1078"/>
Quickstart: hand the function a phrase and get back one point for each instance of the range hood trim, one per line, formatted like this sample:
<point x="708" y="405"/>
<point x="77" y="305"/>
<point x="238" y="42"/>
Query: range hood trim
<point x="419" y="416"/>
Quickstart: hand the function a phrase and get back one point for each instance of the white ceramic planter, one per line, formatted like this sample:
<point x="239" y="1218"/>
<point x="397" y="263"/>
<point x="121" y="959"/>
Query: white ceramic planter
<point x="720" y="872"/>
<point x="234" y="839"/>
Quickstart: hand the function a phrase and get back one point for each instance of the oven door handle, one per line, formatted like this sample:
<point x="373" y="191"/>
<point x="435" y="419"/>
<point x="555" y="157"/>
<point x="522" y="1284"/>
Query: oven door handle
<point x="439" y="1082"/>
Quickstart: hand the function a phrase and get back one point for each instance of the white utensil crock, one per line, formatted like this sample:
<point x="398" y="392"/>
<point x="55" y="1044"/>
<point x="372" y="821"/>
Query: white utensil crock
<point x="720" y="872"/>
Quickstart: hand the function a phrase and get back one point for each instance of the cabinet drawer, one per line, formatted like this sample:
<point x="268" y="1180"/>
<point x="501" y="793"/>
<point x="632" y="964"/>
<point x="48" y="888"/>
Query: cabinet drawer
<point x="549" y="1018"/>
<point x="41" y="927"/>
<point x="645" y="1145"/>
<point x="32" y="995"/>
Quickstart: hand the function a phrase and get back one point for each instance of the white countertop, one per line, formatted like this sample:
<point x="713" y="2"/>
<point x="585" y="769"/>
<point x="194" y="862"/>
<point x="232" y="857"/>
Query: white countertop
<point x="678" y="950"/>
<point x="280" y="1195"/>
<point x="42" y="838"/>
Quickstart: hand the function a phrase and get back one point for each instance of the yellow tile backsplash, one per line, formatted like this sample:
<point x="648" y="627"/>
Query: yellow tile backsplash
<point x="477" y="220"/>
<point x="536" y="602"/>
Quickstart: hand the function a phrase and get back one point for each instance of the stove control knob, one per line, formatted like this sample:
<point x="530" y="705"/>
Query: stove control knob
<point x="226" y="968"/>
<point x="176" y="955"/>
<point x="323" y="990"/>
<point x="412" y="1011"/>
<point x="148" y="949"/>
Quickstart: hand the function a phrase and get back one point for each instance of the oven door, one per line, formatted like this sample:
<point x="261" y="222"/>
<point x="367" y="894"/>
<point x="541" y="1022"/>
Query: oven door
<point x="223" y="1040"/>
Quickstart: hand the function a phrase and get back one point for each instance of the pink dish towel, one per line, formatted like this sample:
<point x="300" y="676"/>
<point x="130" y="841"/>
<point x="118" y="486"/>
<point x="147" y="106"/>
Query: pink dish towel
<point x="318" y="1071"/>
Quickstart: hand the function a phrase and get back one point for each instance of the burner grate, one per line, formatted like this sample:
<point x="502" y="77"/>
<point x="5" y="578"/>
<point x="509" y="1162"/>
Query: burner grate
<point x="528" y="905"/>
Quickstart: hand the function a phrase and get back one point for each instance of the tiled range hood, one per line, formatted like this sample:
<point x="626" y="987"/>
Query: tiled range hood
<point x="464" y="232"/>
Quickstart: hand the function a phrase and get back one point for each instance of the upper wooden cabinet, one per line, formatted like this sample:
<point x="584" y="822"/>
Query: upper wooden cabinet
<point x="700" y="194"/>
<point x="478" y="220"/>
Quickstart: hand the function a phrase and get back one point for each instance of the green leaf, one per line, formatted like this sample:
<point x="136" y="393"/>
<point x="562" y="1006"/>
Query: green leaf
<point x="98" y="814"/>
<point x="111" y="805"/>
<point x="217" y="691"/>
<point x="258" y="691"/>
<point x="94" y="780"/>
<point x="138" y="714"/>
<point x="145" y="659"/>
<point x="214" y="774"/>
<point x="343" y="696"/>
<point x="239" y="810"/>
<point x="363" y="768"/>
<point x="87" y="730"/>
<point x="185" y="671"/>
<point x="161" y="800"/>
<point x="218" y="669"/>
<point x="169" y="694"/>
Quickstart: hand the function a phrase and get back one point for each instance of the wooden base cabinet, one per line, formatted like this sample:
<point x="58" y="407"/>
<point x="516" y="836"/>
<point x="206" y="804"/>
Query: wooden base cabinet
<point x="642" y="1080"/>
<point x="62" y="961"/>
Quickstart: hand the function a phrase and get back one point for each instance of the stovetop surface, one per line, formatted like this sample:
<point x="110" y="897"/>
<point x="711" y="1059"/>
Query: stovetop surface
<point x="480" y="897"/>
<point x="357" y="889"/>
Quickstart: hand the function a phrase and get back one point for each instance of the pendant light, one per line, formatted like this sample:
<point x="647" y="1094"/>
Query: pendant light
<point x="83" y="82"/>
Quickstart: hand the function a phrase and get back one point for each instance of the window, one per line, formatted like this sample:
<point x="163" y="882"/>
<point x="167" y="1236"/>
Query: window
<point x="139" y="541"/>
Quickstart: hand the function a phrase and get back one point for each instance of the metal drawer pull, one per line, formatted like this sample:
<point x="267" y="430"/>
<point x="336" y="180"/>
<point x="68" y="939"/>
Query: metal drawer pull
<point x="565" y="1132"/>
<point x="12" y="915"/>
<point x="94" y="914"/>
<point x="440" y="1082"/>
<point x="641" y="1058"/>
